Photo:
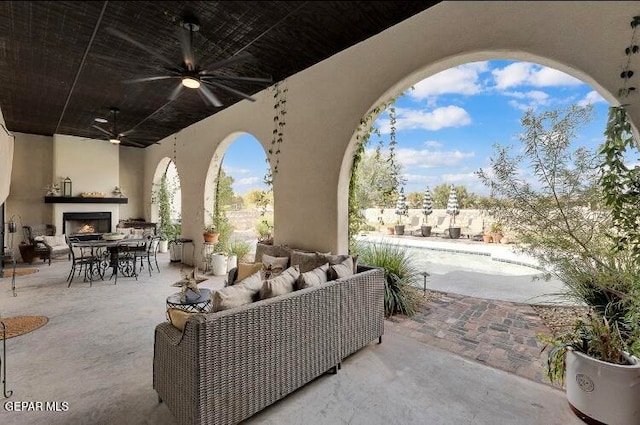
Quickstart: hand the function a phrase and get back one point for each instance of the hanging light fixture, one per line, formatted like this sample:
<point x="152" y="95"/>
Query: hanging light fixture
<point x="191" y="82"/>
<point x="114" y="141"/>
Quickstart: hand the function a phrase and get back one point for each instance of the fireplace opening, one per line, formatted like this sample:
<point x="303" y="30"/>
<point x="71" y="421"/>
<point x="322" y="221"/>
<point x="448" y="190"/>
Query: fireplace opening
<point x="86" y="226"/>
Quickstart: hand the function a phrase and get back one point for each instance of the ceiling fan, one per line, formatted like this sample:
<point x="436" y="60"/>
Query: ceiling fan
<point x="113" y="135"/>
<point x="192" y="74"/>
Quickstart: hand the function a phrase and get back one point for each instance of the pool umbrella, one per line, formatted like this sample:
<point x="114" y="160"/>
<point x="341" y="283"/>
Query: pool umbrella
<point x="452" y="205"/>
<point x="427" y="204"/>
<point x="401" y="206"/>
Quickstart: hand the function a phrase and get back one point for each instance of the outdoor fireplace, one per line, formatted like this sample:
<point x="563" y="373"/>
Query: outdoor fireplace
<point x="86" y="225"/>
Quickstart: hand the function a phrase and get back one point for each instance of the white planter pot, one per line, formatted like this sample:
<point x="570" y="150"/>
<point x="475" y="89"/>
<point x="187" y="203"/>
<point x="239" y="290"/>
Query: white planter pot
<point x="175" y="253"/>
<point x="218" y="264"/>
<point x="232" y="262"/>
<point x="163" y="246"/>
<point x="606" y="392"/>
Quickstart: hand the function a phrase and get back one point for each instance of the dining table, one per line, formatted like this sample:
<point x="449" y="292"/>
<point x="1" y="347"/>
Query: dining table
<point x="119" y="255"/>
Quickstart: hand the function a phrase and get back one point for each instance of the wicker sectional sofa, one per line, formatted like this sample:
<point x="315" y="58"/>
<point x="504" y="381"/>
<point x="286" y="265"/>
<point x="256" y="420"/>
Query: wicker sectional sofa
<point x="227" y="366"/>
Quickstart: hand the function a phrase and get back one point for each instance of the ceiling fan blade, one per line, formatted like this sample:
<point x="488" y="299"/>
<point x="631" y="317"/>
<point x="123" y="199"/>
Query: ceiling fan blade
<point x="128" y="63"/>
<point x="152" y="52"/>
<point x="187" y="50"/>
<point x="240" y="57"/>
<point x="108" y="133"/>
<point x="176" y="92"/>
<point x="142" y="80"/>
<point x="210" y="96"/>
<point x="230" y="90"/>
<point x="126" y="133"/>
<point x="129" y="142"/>
<point x="237" y="78"/>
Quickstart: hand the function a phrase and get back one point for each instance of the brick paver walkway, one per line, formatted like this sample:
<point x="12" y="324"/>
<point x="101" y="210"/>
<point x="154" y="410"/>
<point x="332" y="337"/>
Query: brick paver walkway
<point x="497" y="333"/>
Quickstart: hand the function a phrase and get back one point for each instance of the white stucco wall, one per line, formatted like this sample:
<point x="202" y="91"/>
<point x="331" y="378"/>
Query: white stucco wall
<point x="6" y="160"/>
<point x="326" y="101"/>
<point x="131" y="176"/>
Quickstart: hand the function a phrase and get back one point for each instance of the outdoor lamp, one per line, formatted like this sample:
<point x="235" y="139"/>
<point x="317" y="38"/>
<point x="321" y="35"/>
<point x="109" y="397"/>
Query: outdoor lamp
<point x="66" y="187"/>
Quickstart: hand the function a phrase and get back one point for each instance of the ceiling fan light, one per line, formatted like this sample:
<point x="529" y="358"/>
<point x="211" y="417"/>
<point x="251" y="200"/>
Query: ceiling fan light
<point x="190" y="82"/>
<point x="114" y="141"/>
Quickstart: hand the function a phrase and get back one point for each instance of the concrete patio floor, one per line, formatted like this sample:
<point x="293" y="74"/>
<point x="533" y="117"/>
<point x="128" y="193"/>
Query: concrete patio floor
<point x="95" y="353"/>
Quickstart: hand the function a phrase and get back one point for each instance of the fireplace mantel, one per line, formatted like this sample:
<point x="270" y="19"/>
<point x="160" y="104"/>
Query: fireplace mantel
<point x="83" y="200"/>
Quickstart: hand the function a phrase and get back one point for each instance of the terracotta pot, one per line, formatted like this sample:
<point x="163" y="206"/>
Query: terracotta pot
<point x="487" y="238"/>
<point x="496" y="237"/>
<point x="210" y="237"/>
<point x="390" y="230"/>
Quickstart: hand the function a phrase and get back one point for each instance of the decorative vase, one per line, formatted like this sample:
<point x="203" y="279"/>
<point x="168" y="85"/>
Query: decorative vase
<point x="605" y="392"/>
<point x="218" y="264"/>
<point x="399" y="229"/>
<point x="454" y="232"/>
<point x="175" y="252"/>
<point x="163" y="246"/>
<point x="232" y="262"/>
<point x="425" y="230"/>
<point x="210" y="237"/>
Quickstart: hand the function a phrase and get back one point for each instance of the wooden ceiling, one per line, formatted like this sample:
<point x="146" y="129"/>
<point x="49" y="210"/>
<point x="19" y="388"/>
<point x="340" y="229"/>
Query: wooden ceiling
<point x="61" y="66"/>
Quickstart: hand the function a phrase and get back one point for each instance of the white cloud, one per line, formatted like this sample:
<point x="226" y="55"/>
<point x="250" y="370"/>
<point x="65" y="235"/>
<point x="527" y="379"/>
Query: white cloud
<point x="463" y="79"/>
<point x="236" y="170"/>
<point x="433" y="144"/>
<point x="246" y="181"/>
<point x="444" y="117"/>
<point x="591" y="98"/>
<point x="524" y="73"/>
<point x="528" y="100"/>
<point x="425" y="158"/>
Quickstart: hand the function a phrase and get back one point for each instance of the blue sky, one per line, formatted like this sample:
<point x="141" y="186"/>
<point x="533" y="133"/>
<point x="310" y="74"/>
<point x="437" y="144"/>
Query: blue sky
<point x="447" y="125"/>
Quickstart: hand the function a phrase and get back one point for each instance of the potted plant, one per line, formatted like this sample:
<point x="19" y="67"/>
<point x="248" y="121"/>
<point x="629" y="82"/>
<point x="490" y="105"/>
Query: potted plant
<point x="496" y="232"/>
<point x="585" y="235"/>
<point x="402" y="210"/>
<point x="453" y="211"/>
<point x="427" y="209"/>
<point x="236" y="251"/>
<point x="209" y="233"/>
<point x="175" y="246"/>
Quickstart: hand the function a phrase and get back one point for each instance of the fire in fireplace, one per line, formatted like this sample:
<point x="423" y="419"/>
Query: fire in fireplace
<point x="86" y="226"/>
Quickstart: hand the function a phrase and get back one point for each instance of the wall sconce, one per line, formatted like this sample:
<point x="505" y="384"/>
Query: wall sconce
<point x="66" y="187"/>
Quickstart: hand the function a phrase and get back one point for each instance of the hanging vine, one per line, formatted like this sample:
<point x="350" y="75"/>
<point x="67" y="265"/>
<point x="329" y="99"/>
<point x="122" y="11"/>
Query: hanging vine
<point x="630" y="50"/>
<point x="363" y="135"/>
<point x="277" y="137"/>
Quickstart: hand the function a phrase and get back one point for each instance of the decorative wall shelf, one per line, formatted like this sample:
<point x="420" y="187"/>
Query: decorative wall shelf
<point x="83" y="200"/>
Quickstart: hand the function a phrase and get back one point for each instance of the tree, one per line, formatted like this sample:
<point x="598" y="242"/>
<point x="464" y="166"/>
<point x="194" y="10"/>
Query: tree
<point x="466" y="200"/>
<point x="374" y="182"/>
<point x="224" y="192"/>
<point x="414" y="199"/>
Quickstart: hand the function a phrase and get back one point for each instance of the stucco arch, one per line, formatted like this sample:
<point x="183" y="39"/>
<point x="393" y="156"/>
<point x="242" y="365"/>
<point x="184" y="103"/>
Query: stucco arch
<point x="214" y="167"/>
<point x="421" y="74"/>
<point x="157" y="177"/>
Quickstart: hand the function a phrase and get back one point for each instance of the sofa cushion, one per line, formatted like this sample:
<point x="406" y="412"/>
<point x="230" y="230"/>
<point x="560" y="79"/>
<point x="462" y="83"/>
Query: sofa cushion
<point x="272" y="250"/>
<point x="231" y="296"/>
<point x="253" y="282"/>
<point x="280" y="285"/>
<point x="313" y="277"/>
<point x="178" y="317"/>
<point x="247" y="269"/>
<point x="344" y="269"/>
<point x="52" y="241"/>
<point x="273" y="266"/>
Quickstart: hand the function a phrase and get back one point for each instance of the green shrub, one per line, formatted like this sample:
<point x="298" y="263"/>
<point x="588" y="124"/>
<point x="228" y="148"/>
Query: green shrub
<point x="239" y="248"/>
<point x="399" y="272"/>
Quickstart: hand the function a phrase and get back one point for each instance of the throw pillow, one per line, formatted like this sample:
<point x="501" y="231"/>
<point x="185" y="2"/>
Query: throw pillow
<point x="253" y="282"/>
<point x="178" y="318"/>
<point x="247" y="269"/>
<point x="343" y="269"/>
<point x="272" y="250"/>
<point x="307" y="260"/>
<point x="313" y="277"/>
<point x="230" y="297"/>
<point x="280" y="285"/>
<point x="273" y="266"/>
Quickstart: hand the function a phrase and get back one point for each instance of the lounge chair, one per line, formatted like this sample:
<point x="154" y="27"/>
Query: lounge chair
<point x="413" y="228"/>
<point x="439" y="227"/>
<point x="474" y="229"/>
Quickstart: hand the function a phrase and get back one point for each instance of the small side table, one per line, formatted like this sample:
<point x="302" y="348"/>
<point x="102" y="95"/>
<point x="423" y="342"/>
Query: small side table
<point x="200" y="305"/>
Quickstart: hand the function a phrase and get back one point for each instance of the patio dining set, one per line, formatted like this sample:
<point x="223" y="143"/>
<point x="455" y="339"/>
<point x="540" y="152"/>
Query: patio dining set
<point x="125" y="257"/>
